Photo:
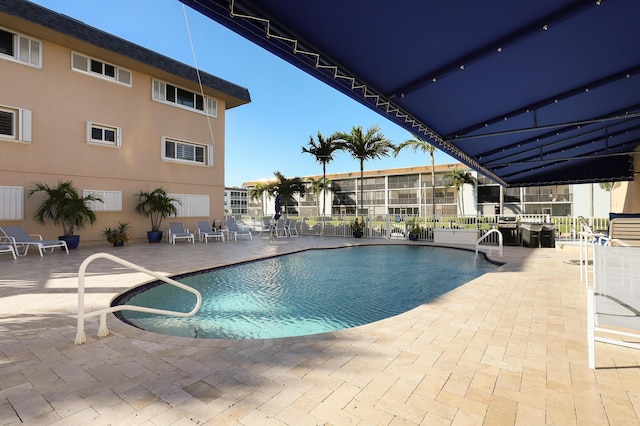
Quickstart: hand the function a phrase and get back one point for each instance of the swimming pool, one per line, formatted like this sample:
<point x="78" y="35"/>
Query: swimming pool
<point x="304" y="293"/>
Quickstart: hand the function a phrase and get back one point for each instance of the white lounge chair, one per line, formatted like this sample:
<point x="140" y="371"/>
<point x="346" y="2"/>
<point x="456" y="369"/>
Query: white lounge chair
<point x="177" y="231"/>
<point x="4" y="248"/>
<point x="235" y="230"/>
<point x="205" y="232"/>
<point x="20" y="238"/>
<point x="266" y="227"/>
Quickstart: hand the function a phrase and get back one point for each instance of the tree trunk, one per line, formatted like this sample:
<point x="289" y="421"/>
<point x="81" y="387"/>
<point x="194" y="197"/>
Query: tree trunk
<point x="361" y="186"/>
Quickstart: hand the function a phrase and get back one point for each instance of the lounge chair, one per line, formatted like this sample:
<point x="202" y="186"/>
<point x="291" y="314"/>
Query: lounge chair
<point x="235" y="230"/>
<point x="624" y="232"/>
<point x="178" y="232"/>
<point x="5" y="248"/>
<point x="281" y="229"/>
<point x="20" y="238"/>
<point x="292" y="228"/>
<point x="266" y="226"/>
<point x="205" y="232"/>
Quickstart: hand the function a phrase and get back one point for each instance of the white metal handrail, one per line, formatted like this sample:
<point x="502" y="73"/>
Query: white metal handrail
<point x="103" y="331"/>
<point x="491" y="231"/>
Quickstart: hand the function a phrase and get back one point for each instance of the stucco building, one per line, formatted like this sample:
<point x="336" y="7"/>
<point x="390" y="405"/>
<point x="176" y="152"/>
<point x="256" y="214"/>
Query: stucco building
<point x="111" y="116"/>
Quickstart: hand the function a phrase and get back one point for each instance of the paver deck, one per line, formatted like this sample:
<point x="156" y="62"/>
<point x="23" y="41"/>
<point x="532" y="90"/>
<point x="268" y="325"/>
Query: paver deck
<point x="506" y="348"/>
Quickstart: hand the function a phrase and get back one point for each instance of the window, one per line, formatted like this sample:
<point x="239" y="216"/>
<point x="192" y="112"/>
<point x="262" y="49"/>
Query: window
<point x="100" y="69"/>
<point x="187" y="152"/>
<point x="20" y="48"/>
<point x="104" y="135"/>
<point x="165" y="92"/>
<point x="15" y="124"/>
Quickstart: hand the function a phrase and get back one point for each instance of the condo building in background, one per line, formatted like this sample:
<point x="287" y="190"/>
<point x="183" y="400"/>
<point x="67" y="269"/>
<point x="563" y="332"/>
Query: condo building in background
<point x="410" y="190"/>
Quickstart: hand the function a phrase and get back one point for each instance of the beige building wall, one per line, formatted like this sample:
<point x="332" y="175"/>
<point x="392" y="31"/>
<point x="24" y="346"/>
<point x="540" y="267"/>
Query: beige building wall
<point x="625" y="197"/>
<point x="63" y="100"/>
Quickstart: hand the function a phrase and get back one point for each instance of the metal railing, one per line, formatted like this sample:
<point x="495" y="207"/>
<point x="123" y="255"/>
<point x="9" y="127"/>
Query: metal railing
<point x="489" y="234"/>
<point x="103" y="331"/>
<point x="396" y="225"/>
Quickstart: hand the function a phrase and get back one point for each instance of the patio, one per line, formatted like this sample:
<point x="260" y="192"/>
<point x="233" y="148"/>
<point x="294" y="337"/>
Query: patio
<point x="506" y="348"/>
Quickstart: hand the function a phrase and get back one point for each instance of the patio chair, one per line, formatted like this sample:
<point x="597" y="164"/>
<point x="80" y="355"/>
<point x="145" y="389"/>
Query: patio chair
<point x="235" y="230"/>
<point x="20" y="238"/>
<point x="5" y="248"/>
<point x="624" y="232"/>
<point x="593" y="236"/>
<point x="177" y="231"/>
<point x="291" y="227"/>
<point x="280" y="229"/>
<point x="205" y="232"/>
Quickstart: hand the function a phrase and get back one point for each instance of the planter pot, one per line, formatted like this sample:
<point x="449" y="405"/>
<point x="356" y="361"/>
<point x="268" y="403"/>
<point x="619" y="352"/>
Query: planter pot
<point x="154" y="236"/>
<point x="357" y="234"/>
<point x="120" y="244"/>
<point x="413" y="237"/>
<point x="72" y="241"/>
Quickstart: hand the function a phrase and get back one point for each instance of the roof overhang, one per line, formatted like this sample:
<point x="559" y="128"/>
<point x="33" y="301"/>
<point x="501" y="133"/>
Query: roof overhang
<point x="526" y="93"/>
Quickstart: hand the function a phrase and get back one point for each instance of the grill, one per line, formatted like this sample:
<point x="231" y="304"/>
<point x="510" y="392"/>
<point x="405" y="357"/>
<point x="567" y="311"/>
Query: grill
<point x="509" y="227"/>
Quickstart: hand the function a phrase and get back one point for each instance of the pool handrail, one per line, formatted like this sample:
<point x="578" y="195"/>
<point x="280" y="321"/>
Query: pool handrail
<point x="103" y="331"/>
<point x="489" y="232"/>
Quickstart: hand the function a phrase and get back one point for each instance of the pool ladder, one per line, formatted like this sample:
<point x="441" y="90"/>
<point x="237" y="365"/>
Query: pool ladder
<point x="103" y="331"/>
<point x="491" y="231"/>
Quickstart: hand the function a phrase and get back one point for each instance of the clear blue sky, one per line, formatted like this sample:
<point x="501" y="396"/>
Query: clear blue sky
<point x="287" y="104"/>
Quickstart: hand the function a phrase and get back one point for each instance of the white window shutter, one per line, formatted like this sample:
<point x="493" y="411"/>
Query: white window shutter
<point x="25" y="125"/>
<point x="210" y="155"/>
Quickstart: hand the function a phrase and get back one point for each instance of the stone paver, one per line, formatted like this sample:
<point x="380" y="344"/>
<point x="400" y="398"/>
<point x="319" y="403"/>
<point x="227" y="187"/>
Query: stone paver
<point x="506" y="348"/>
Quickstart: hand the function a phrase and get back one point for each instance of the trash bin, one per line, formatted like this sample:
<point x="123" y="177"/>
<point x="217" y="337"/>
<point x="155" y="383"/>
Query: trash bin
<point x="548" y="235"/>
<point x="531" y="234"/>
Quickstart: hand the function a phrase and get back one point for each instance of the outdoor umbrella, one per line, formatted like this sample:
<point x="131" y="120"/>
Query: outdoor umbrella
<point x="277" y="215"/>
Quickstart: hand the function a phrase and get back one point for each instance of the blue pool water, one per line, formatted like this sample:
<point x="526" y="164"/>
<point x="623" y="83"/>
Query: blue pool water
<point x="305" y="293"/>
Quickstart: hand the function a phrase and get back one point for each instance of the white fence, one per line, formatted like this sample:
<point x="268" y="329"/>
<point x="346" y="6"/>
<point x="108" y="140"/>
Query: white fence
<point x="397" y="226"/>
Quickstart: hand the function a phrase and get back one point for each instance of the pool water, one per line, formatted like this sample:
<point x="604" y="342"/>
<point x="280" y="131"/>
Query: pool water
<point x="310" y="292"/>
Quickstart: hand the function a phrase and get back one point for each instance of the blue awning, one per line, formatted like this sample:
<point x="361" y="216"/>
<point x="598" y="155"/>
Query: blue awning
<point x="526" y="93"/>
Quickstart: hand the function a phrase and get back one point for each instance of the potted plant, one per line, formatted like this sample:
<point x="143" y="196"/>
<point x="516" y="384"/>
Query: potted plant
<point x="414" y="229"/>
<point x="356" y="227"/>
<point x="156" y="205"/>
<point x="64" y="205"/>
<point x="118" y="235"/>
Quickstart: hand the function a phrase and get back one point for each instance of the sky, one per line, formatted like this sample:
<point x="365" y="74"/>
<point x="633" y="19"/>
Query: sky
<point x="287" y="105"/>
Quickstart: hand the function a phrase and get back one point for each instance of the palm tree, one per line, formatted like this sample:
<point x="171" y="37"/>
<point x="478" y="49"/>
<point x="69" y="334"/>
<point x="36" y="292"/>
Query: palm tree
<point x="424" y="146"/>
<point x="365" y="146"/>
<point x="156" y="205"/>
<point x="64" y="205"/>
<point x="257" y="193"/>
<point x="323" y="150"/>
<point x="317" y="186"/>
<point x="286" y="188"/>
<point x="457" y="179"/>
